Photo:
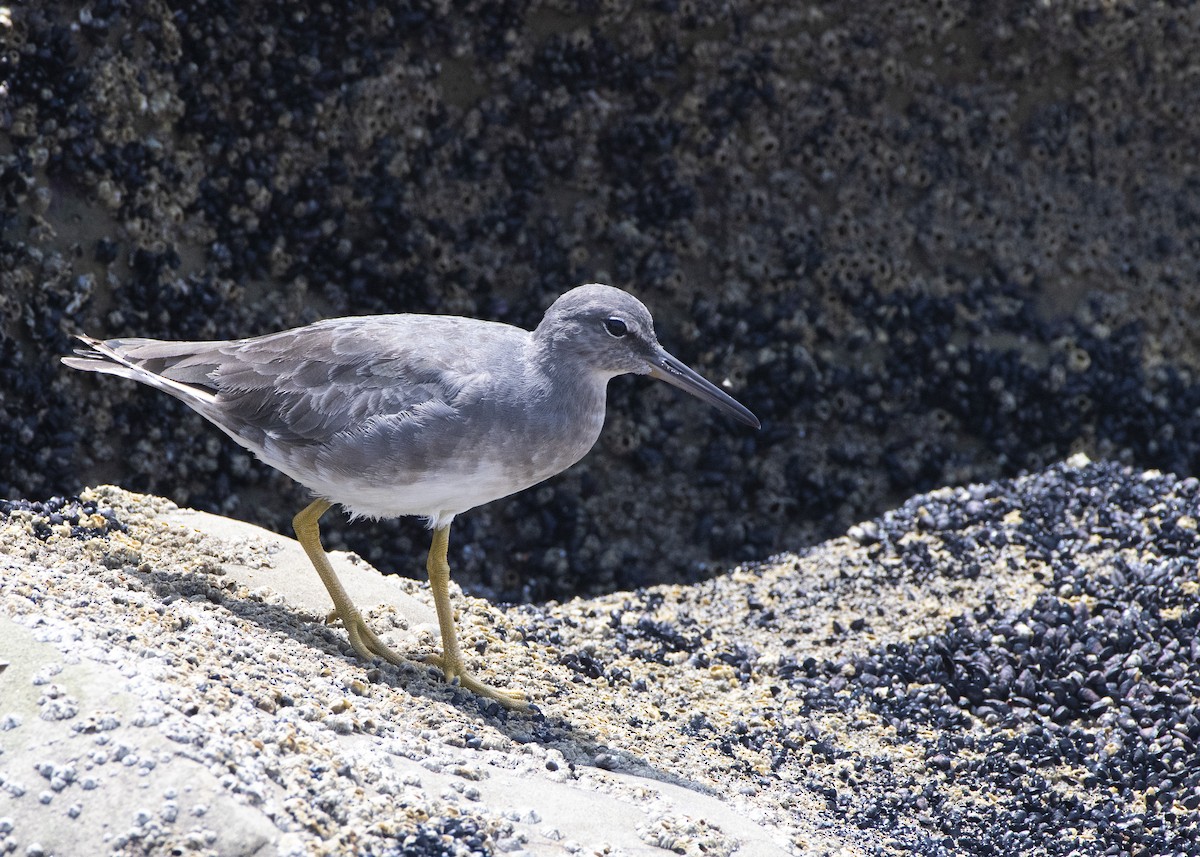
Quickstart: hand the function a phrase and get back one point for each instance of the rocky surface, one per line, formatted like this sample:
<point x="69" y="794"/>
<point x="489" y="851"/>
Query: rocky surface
<point x="1010" y="667"/>
<point x="929" y="243"/>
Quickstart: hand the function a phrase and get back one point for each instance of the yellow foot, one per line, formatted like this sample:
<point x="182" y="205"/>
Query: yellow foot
<point x="454" y="673"/>
<point x="366" y="642"/>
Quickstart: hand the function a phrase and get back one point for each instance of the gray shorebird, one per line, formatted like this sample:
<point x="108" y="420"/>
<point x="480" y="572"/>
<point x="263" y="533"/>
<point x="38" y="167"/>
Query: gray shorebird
<point x="422" y="415"/>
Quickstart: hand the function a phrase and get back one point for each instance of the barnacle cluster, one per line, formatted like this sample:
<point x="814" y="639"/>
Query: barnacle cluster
<point x="928" y="243"/>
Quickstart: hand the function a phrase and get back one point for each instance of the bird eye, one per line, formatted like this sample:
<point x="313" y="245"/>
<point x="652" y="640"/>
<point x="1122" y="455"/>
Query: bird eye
<point x="616" y="327"/>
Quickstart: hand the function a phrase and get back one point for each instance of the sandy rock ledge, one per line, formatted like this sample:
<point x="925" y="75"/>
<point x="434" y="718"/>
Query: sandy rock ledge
<point x="1009" y="667"/>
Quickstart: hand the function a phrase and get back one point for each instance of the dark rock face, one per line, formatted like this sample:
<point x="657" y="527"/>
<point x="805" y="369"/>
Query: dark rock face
<point x="1003" y="668"/>
<point x="1100" y="675"/>
<point x="927" y="245"/>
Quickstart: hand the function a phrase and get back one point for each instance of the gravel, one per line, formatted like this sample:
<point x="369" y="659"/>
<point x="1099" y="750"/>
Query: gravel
<point x="1008" y="667"/>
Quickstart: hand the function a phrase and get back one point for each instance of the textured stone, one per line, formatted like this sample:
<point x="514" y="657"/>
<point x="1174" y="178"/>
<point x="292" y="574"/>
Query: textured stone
<point x="927" y="244"/>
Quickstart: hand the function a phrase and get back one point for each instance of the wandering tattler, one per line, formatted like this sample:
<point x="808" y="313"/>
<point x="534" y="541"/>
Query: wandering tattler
<point x="424" y="415"/>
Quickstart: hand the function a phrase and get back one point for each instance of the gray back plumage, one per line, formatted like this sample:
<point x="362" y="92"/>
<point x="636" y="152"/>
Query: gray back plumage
<point x="308" y="385"/>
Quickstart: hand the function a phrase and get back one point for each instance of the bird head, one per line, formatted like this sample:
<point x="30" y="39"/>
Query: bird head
<point x="611" y="332"/>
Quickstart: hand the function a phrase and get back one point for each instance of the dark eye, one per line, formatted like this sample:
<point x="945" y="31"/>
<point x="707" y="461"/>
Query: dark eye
<point x="616" y="327"/>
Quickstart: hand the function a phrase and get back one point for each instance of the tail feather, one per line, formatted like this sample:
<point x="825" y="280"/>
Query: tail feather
<point x="120" y="357"/>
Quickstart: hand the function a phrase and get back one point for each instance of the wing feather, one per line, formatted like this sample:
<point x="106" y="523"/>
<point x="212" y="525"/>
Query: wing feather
<point x="309" y="385"/>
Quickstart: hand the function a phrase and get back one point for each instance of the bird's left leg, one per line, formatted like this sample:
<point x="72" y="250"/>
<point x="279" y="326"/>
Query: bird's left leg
<point x="451" y="659"/>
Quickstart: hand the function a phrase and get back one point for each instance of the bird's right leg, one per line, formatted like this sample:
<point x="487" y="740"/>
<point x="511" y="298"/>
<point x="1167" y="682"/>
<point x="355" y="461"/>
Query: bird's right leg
<point x="365" y="642"/>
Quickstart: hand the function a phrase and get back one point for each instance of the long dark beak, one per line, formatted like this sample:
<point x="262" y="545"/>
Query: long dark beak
<point x="667" y="368"/>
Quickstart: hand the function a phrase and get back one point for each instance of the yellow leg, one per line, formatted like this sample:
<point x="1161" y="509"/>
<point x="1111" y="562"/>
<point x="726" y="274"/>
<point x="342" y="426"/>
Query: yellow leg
<point x="365" y="641"/>
<point x="451" y="659"/>
<point x="362" y="638"/>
